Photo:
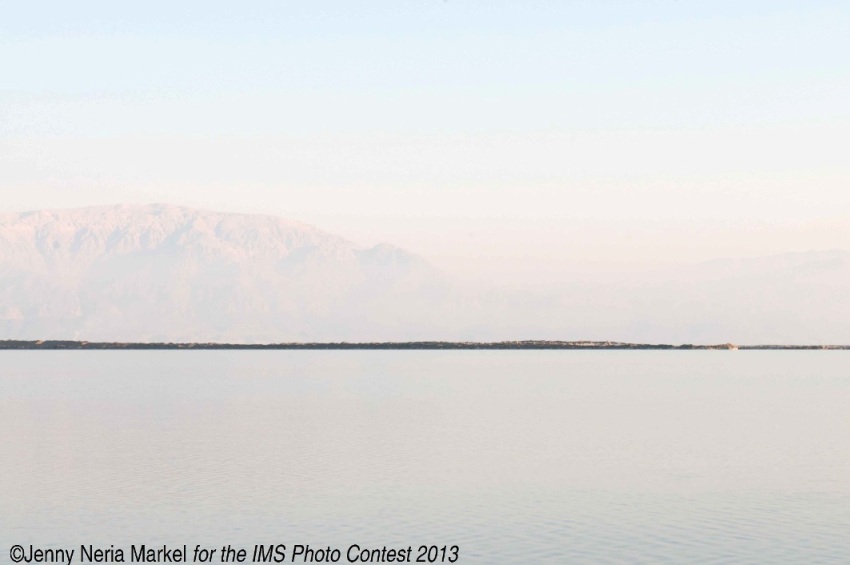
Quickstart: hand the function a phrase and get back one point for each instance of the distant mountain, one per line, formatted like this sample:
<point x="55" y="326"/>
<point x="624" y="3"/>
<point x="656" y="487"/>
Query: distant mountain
<point x="789" y="298"/>
<point x="799" y="297"/>
<point x="166" y="273"/>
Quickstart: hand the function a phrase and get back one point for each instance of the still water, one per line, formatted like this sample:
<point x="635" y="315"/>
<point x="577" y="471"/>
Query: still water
<point x="514" y="456"/>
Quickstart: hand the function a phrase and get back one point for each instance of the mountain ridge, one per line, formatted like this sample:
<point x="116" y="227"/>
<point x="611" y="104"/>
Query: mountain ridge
<point x="88" y="269"/>
<point x="163" y="273"/>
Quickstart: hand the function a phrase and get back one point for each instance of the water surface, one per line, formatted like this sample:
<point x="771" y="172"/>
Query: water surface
<point x="515" y="456"/>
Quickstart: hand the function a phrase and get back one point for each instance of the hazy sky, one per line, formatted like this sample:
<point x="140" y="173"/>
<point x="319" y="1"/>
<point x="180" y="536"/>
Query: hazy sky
<point x="520" y="139"/>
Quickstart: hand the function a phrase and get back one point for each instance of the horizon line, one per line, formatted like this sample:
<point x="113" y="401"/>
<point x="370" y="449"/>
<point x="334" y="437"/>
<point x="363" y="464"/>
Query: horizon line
<point x="10" y="344"/>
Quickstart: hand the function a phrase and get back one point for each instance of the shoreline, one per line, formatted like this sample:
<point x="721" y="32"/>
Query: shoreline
<point x="405" y="345"/>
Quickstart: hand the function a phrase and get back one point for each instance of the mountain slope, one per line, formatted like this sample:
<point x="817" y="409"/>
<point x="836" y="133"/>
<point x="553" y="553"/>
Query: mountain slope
<point x="788" y="298"/>
<point x="164" y="272"/>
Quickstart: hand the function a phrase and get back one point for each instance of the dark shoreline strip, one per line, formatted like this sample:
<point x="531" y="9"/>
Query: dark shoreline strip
<point x="408" y="345"/>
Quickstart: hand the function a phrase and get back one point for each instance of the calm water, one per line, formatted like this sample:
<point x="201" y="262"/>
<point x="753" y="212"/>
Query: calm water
<point x="517" y="457"/>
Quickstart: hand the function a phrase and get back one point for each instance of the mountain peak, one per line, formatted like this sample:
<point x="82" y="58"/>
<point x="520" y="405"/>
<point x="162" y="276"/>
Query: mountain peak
<point x="172" y="272"/>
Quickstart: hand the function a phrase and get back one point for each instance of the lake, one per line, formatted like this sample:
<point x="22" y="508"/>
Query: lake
<point x="513" y="456"/>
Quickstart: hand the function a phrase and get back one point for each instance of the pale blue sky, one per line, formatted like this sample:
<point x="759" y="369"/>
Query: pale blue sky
<point x="461" y="129"/>
<point x="210" y="68"/>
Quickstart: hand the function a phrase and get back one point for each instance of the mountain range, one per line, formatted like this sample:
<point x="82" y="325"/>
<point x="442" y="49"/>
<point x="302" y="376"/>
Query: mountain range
<point x="162" y="272"/>
<point x="169" y="273"/>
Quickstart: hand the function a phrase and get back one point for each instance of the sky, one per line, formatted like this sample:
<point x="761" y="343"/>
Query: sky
<point x="520" y="140"/>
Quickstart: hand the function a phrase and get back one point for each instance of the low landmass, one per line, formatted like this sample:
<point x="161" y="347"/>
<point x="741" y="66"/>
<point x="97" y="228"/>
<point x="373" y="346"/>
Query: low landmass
<point x="401" y="345"/>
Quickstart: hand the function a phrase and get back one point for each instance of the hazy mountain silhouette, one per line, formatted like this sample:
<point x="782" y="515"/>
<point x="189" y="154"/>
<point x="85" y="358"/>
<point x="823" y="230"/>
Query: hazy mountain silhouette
<point x="164" y="272"/>
<point x="167" y="273"/>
